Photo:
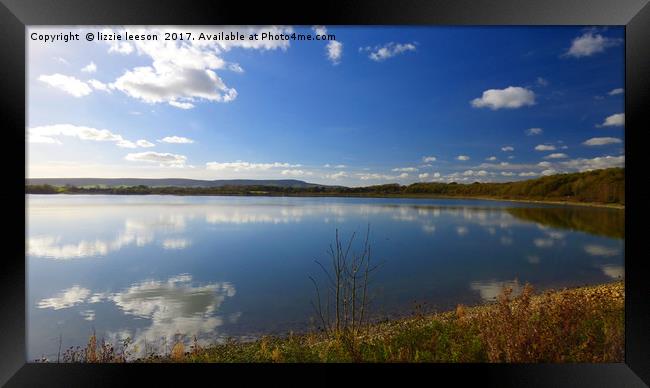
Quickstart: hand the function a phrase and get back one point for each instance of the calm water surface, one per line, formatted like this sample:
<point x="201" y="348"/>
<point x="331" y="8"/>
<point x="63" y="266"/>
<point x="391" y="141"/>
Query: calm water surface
<point x="148" y="267"/>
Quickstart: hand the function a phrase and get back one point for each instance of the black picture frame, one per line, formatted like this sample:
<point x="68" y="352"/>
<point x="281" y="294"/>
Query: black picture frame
<point x="15" y="15"/>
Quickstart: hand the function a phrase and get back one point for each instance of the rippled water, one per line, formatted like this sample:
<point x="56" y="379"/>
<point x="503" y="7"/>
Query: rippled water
<point x="148" y="267"/>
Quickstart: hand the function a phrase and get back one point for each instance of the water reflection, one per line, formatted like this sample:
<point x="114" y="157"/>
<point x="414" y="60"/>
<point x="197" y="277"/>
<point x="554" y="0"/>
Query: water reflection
<point x="172" y="306"/>
<point x="440" y="251"/>
<point x="598" y="221"/>
<point x="490" y="290"/>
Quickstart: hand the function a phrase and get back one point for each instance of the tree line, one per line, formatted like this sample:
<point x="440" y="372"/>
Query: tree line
<point x="601" y="186"/>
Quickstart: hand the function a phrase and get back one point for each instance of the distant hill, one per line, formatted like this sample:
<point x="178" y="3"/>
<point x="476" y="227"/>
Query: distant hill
<point x="175" y="182"/>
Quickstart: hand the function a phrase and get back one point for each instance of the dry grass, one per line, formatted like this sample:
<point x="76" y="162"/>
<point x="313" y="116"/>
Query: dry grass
<point x="573" y="325"/>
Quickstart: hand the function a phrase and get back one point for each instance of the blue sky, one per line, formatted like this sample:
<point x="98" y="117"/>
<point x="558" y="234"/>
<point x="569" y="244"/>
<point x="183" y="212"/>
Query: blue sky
<point x="376" y="105"/>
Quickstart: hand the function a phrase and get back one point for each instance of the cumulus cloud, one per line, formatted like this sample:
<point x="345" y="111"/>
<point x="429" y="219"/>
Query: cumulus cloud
<point x="247" y="166"/>
<point x="404" y="169"/>
<point x="48" y="134"/>
<point x="510" y="98"/>
<point x="423" y="175"/>
<point x="98" y="85"/>
<point x="462" y="157"/>
<point x="534" y="131"/>
<point x="70" y="85"/>
<point x="336" y="176"/>
<point x="545" y="147"/>
<point x="295" y="172"/>
<point x="556" y="156"/>
<point x="507" y="149"/>
<point x="549" y="171"/>
<point x="616" y="91"/>
<point x="375" y="176"/>
<point x="89" y="68"/>
<point x="183" y="73"/>
<point x="491" y="158"/>
<point x="144" y="143"/>
<point x="334" y="49"/>
<point x="176" y="140"/>
<point x="429" y="159"/>
<point x="598" y="141"/>
<point x="615" y="120"/>
<point x="583" y="164"/>
<point x="528" y="174"/>
<point x="479" y="173"/>
<point x="163" y="159"/>
<point x="389" y="50"/>
<point x="590" y="43"/>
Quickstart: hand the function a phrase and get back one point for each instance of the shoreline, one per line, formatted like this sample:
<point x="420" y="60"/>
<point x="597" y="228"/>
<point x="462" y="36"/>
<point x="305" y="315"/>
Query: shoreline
<point x="413" y="196"/>
<point x="576" y="324"/>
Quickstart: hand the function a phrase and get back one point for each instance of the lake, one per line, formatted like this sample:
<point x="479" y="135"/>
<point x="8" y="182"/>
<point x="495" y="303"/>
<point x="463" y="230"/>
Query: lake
<point x="148" y="267"/>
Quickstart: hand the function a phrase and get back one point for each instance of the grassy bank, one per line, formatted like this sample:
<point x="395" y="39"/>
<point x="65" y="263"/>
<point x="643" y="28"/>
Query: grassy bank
<point x="583" y="324"/>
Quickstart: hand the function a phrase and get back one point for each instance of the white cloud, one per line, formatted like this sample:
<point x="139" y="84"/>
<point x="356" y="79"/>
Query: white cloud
<point x="511" y="97"/>
<point x="98" y="85"/>
<point x="89" y="68"/>
<point x="247" y="166"/>
<point x="590" y="43"/>
<point x="423" y="175"/>
<point x="177" y="86"/>
<point x="163" y="159"/>
<point x="295" y="172"/>
<point x="48" y="133"/>
<point x="616" y="91"/>
<point x="389" y="50"/>
<point x="404" y="169"/>
<point x="475" y="173"/>
<point x="429" y="159"/>
<point x="336" y="176"/>
<point x="507" y="173"/>
<point x="544" y="164"/>
<point x="549" y="171"/>
<point x="598" y="141"/>
<point x="176" y="140"/>
<point x="376" y="176"/>
<point x="68" y="84"/>
<point x="595" y="163"/>
<point x="462" y="157"/>
<point x="507" y="149"/>
<point x="182" y="72"/>
<point x="615" y="120"/>
<point x="534" y="131"/>
<point x="527" y="174"/>
<point x="556" y="156"/>
<point x="334" y="51"/>
<point x="491" y="158"/>
<point x="144" y="143"/>
<point x="545" y="147"/>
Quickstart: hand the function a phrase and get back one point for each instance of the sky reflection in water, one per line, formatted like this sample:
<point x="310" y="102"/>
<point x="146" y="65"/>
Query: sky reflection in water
<point x="149" y="267"/>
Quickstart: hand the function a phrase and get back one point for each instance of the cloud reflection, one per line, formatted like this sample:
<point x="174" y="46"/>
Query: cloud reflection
<point x="490" y="290"/>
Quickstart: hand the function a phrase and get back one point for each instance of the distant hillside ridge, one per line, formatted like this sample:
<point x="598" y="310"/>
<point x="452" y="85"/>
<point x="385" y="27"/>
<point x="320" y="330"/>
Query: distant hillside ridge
<point x="605" y="186"/>
<point x="168" y="182"/>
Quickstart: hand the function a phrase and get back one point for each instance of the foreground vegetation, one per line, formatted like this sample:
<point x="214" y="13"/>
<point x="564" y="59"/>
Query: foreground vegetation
<point x="606" y="186"/>
<point x="572" y="325"/>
